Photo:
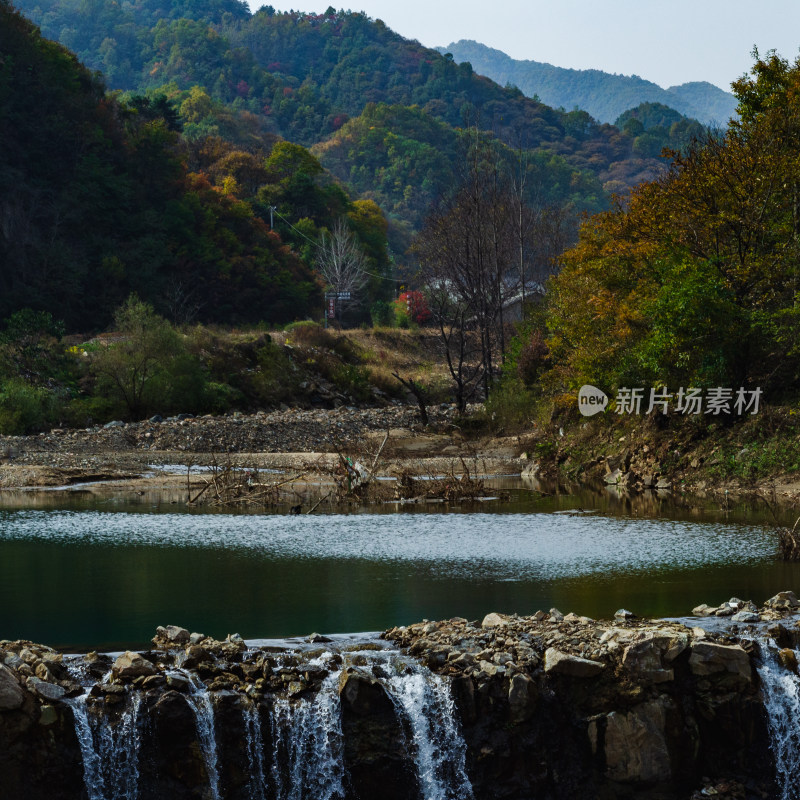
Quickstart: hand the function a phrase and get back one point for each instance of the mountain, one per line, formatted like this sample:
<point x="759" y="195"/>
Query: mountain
<point x="305" y="75"/>
<point x="601" y="94"/>
<point x="97" y="201"/>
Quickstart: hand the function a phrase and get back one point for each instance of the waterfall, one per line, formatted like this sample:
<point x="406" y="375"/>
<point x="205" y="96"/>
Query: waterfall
<point x="294" y="744"/>
<point x="781" y="690"/>
<point x="255" y="749"/>
<point x="428" y="706"/>
<point x="203" y="707"/>
<point x="307" y="738"/>
<point x="110" y="749"/>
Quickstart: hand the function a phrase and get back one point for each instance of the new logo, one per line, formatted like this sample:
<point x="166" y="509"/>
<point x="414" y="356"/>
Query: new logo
<point x="591" y="400"/>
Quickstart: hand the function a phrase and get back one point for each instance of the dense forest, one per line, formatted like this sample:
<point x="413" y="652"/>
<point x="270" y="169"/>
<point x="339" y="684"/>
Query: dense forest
<point x="103" y="197"/>
<point x="303" y="76"/>
<point x="694" y="281"/>
<point x="601" y="94"/>
<point x="215" y="162"/>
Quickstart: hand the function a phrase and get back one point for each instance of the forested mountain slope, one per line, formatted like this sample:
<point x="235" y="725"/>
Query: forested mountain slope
<point x="306" y="75"/>
<point x="601" y="94"/>
<point x="100" y="198"/>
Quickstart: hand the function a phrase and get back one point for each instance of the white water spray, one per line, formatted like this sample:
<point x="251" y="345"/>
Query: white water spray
<point x="781" y="690"/>
<point x="110" y="750"/>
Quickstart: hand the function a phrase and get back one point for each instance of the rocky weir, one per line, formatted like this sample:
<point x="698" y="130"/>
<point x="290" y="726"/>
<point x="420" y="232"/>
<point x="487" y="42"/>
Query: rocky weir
<point x="542" y="706"/>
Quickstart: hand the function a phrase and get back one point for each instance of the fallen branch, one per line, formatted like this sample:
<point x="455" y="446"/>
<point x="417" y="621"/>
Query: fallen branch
<point x="319" y="502"/>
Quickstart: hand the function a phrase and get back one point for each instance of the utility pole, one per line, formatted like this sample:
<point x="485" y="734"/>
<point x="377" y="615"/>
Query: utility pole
<point x="272" y="210"/>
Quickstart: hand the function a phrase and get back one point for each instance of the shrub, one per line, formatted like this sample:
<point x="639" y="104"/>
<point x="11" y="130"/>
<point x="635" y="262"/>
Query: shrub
<point x="25" y="408"/>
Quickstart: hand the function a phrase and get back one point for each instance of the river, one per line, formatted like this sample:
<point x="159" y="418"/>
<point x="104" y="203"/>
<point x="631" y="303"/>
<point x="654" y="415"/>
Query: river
<point x="79" y="572"/>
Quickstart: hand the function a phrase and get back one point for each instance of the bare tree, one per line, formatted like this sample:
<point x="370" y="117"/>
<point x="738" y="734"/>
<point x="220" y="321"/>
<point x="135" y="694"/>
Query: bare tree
<point x="342" y="262"/>
<point x="467" y="256"/>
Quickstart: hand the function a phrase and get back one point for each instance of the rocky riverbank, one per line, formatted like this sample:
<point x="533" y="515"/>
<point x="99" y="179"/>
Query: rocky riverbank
<point x="550" y="705"/>
<point x="289" y="439"/>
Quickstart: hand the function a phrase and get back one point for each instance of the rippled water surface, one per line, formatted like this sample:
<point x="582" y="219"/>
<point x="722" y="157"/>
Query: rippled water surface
<point x="87" y="577"/>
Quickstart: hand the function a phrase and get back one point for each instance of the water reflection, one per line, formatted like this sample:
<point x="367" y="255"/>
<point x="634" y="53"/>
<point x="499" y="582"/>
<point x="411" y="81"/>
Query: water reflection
<point x="88" y="572"/>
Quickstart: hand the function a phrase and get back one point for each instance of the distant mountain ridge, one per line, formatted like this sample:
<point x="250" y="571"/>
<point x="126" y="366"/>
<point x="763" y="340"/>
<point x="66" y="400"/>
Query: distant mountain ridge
<point x="601" y="94"/>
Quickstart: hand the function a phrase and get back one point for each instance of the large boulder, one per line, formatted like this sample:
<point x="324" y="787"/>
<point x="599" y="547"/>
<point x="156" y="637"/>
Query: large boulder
<point x="710" y="658"/>
<point x="783" y="601"/>
<point x="522" y="697"/>
<point x="130" y="666"/>
<point x="647" y="660"/>
<point x="560" y="663"/>
<point x="11" y="694"/>
<point x="494" y="620"/>
<point x="636" y="743"/>
<point x="376" y="752"/>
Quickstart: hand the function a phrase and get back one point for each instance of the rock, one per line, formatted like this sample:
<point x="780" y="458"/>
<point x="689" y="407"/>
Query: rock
<point x="788" y="659"/>
<point x="618" y="463"/>
<point x="540" y="616"/>
<point x="645" y="659"/>
<point x="521" y="697"/>
<point x="116" y="423"/>
<point x="709" y="658"/>
<point x="494" y="620"/>
<point x="635" y="743"/>
<point x="745" y="616"/>
<point x="196" y="638"/>
<point x="560" y="663"/>
<point x="317" y="638"/>
<point x="531" y="470"/>
<point x="572" y="618"/>
<point x="663" y="484"/>
<point x="613" y="478"/>
<point x="725" y="610"/>
<point x="783" y="600"/>
<point x="623" y="615"/>
<point x="489" y="670"/>
<point x="556" y="615"/>
<point x="13" y="660"/>
<point x="131" y="665"/>
<point x="176" y="634"/>
<point x="11" y="694"/>
<point x="48" y="715"/>
<point x="704" y="610"/>
<point x="47" y="691"/>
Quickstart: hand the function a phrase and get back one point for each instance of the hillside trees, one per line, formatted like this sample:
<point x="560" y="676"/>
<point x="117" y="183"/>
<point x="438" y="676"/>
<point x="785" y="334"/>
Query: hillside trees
<point x="696" y="280"/>
<point x="477" y="251"/>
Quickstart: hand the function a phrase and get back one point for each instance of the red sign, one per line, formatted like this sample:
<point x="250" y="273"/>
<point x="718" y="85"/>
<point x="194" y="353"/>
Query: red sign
<point x="331" y="307"/>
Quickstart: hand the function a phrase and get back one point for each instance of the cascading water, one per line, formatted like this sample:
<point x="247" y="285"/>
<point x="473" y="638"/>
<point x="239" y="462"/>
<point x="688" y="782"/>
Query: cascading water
<point x="294" y="741"/>
<point x="110" y="749"/>
<point x="307" y="739"/>
<point x="203" y="707"/>
<point x="781" y="690"/>
<point x="255" y="750"/>
<point x="428" y="706"/>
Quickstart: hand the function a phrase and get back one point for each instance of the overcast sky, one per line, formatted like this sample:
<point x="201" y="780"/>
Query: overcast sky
<point x="666" y="42"/>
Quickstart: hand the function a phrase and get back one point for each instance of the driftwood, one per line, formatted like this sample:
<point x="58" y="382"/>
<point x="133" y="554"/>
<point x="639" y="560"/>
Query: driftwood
<point x="789" y="542"/>
<point x="233" y="486"/>
<point x="450" y="488"/>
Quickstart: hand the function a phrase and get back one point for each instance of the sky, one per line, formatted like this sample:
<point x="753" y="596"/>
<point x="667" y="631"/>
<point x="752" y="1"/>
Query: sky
<point x="665" y="42"/>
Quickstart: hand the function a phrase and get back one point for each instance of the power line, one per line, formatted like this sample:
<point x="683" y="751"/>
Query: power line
<point x="317" y="244"/>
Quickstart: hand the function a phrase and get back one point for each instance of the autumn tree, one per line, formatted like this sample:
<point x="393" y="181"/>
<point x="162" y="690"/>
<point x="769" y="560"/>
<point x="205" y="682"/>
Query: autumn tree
<point x="695" y="279"/>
